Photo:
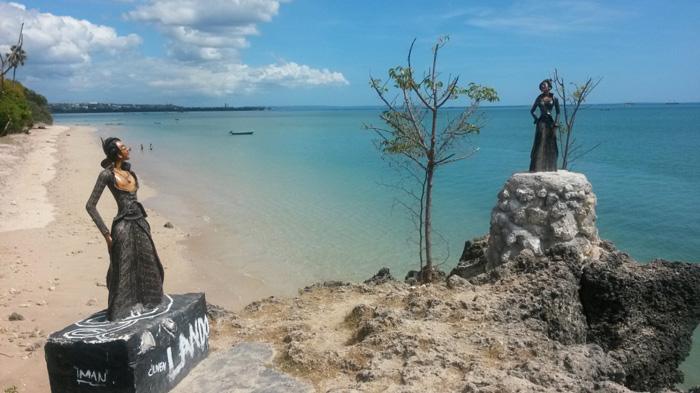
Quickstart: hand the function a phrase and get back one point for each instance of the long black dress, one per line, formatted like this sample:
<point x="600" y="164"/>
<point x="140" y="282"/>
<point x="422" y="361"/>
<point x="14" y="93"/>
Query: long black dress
<point x="135" y="275"/>
<point x="544" y="153"/>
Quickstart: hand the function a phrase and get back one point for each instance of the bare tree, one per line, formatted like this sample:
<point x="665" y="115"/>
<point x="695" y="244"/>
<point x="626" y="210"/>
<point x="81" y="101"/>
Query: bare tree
<point x="4" y="69"/>
<point x="571" y="103"/>
<point x="420" y="138"/>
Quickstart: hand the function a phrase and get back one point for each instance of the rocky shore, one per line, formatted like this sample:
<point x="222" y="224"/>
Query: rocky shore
<point x="564" y="311"/>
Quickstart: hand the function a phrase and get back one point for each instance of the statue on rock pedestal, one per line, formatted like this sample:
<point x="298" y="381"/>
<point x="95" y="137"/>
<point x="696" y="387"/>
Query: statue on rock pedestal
<point x="543" y="157"/>
<point x="135" y="275"/>
<point x="145" y="341"/>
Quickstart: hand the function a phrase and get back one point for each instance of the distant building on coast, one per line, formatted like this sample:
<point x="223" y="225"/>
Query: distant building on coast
<point x="110" y="108"/>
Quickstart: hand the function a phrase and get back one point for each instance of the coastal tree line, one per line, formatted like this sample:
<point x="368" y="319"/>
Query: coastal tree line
<point x="20" y="107"/>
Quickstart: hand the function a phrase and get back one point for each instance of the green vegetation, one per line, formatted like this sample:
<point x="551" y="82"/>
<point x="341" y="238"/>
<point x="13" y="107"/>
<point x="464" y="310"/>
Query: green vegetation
<point x="39" y="107"/>
<point x="420" y="139"/>
<point x="21" y="108"/>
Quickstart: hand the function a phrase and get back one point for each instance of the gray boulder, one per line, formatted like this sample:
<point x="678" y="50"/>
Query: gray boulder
<point x="644" y="315"/>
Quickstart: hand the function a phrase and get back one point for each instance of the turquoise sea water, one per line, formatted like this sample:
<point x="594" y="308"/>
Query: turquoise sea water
<point x="306" y="198"/>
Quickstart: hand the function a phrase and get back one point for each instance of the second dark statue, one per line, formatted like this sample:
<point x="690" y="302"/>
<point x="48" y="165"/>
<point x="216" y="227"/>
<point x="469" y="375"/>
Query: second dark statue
<point x="544" y="149"/>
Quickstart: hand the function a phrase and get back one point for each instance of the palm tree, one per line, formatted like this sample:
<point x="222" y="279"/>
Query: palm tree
<point x="16" y="58"/>
<point x="13" y="59"/>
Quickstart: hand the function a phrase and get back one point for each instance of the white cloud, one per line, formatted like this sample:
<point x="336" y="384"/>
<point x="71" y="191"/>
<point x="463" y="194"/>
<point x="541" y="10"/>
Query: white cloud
<point x="229" y="79"/>
<point x="59" y="40"/>
<point x="195" y="13"/>
<point x="537" y="17"/>
<point x="151" y="78"/>
<point x="294" y="75"/>
<point x="76" y="58"/>
<point x="206" y="30"/>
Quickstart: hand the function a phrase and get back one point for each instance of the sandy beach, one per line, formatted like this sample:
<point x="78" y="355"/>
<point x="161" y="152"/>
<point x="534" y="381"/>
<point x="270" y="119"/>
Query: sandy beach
<point x="53" y="259"/>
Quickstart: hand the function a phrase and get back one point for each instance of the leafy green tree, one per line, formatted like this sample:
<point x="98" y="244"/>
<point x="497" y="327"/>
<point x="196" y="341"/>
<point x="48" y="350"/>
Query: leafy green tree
<point x="420" y="138"/>
<point x="39" y="107"/>
<point x="571" y="101"/>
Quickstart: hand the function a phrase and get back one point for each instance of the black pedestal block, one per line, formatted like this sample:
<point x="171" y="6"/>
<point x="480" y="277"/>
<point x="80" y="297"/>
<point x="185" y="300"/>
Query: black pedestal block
<point x="150" y="352"/>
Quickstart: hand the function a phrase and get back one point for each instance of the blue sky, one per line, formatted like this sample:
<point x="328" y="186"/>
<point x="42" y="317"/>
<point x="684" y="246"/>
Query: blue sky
<point x="303" y="52"/>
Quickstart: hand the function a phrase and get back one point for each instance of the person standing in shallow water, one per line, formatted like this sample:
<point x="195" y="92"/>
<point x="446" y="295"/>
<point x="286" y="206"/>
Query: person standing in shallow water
<point x="544" y="153"/>
<point x="135" y="274"/>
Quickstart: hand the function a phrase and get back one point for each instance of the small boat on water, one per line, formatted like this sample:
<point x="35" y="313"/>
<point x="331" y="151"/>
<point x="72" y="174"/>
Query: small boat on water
<point x="241" y="133"/>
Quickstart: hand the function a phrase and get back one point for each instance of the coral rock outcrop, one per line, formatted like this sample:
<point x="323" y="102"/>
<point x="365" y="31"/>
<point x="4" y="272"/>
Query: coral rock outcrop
<point x="537" y="211"/>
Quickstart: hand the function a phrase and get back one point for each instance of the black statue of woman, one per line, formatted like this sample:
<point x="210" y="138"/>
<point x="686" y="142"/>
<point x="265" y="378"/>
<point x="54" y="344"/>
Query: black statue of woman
<point x="544" y="150"/>
<point x="135" y="275"/>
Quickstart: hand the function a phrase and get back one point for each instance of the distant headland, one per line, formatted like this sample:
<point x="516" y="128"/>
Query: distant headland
<point x="110" y="108"/>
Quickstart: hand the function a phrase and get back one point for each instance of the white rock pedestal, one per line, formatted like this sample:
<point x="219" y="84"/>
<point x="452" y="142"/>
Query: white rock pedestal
<point x="537" y="211"/>
<point x="150" y="352"/>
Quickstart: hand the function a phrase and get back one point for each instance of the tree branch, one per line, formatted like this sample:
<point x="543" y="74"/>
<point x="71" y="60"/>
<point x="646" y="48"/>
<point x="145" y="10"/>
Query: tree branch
<point x="413" y="85"/>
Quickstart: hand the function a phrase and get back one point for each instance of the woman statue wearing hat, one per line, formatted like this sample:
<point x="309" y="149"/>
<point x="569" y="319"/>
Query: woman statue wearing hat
<point x="135" y="275"/>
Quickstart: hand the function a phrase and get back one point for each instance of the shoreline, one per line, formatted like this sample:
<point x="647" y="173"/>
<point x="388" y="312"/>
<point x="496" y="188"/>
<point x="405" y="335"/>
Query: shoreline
<point x="205" y="241"/>
<point x="53" y="257"/>
<point x="234" y="279"/>
<point x="228" y="283"/>
<point x="24" y="200"/>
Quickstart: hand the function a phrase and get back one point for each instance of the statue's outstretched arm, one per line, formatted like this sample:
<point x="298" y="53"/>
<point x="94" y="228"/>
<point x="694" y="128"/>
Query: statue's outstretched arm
<point x="91" y="205"/>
